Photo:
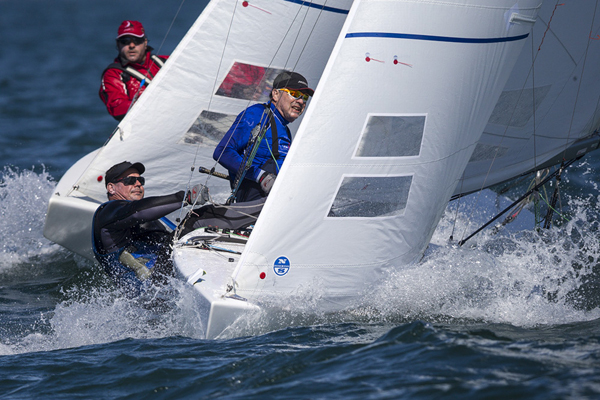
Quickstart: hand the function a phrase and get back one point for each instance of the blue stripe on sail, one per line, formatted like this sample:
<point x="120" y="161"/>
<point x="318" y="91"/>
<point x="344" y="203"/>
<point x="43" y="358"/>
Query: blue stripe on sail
<point x="435" y="38"/>
<point x="319" y="6"/>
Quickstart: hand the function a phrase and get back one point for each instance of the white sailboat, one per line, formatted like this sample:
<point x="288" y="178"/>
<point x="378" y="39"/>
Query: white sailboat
<point x="417" y="101"/>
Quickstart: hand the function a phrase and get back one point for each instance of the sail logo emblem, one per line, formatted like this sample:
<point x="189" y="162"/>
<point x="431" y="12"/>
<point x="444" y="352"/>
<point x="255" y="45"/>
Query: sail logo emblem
<point x="281" y="266"/>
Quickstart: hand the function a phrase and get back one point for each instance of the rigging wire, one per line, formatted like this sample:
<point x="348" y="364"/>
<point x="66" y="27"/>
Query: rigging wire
<point x="462" y="181"/>
<point x="556" y="193"/>
<point x="270" y="62"/>
<point x="534" y="109"/>
<point x="261" y="81"/>
<point x="209" y="104"/>
<point x="309" y="35"/>
<point x="170" y="26"/>
<point x="543" y="182"/>
<point x="291" y="48"/>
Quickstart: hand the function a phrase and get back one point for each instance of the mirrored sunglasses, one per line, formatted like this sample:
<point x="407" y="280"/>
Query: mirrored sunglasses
<point x="296" y="94"/>
<point x="125" y="40"/>
<point x="130" y="180"/>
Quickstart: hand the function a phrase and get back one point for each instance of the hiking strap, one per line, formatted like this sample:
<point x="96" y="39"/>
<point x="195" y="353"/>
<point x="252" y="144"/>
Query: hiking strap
<point x="157" y="60"/>
<point x="135" y="73"/>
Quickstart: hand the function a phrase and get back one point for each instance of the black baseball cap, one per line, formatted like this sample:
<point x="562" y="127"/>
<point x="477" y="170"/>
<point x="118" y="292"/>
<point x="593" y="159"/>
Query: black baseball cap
<point x="117" y="170"/>
<point x="292" y="80"/>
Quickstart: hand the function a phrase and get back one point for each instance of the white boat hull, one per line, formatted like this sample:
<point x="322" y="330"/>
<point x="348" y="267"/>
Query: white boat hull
<point x="69" y="216"/>
<point x="209" y="273"/>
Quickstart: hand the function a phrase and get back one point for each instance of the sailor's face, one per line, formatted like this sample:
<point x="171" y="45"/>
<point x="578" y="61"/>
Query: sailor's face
<point x="130" y="51"/>
<point x="289" y="107"/>
<point x="127" y="192"/>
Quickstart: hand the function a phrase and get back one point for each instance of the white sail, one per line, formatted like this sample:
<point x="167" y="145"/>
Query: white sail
<point x="396" y="116"/>
<point x="191" y="103"/>
<point x="267" y="34"/>
<point x="548" y="106"/>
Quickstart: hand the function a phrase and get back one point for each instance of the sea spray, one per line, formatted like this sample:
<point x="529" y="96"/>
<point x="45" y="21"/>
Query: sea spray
<point x="517" y="275"/>
<point x="98" y="313"/>
<point x="522" y="277"/>
<point x="24" y="198"/>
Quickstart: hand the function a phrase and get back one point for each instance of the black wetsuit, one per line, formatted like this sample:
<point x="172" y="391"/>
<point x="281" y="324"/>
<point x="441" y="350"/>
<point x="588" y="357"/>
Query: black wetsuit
<point x="127" y="238"/>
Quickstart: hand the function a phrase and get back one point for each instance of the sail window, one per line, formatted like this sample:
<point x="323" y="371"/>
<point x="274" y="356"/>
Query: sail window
<point x="488" y="152"/>
<point x="516" y="107"/>
<point x="391" y="136"/>
<point x="371" y="196"/>
<point x="244" y="82"/>
<point x="208" y="129"/>
<point x="248" y="82"/>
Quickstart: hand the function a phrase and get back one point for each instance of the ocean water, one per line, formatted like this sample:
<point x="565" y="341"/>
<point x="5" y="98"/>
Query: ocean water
<point x="514" y="314"/>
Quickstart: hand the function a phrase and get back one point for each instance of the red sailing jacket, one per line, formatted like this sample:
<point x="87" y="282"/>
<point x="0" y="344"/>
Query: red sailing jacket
<point x="119" y="88"/>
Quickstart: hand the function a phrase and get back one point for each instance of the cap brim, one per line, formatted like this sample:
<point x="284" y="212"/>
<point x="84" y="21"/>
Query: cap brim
<point x="139" y="167"/>
<point x="131" y="34"/>
<point x="121" y="169"/>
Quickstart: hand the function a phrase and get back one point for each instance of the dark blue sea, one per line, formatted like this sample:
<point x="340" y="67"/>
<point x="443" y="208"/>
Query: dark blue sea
<point x="509" y="315"/>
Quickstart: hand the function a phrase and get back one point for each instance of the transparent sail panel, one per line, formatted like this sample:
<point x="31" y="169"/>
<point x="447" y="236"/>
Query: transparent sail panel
<point x="248" y="82"/>
<point x="488" y="152"/>
<point x="244" y="82"/>
<point x="516" y="107"/>
<point x="369" y="196"/>
<point x="208" y="129"/>
<point x="391" y="136"/>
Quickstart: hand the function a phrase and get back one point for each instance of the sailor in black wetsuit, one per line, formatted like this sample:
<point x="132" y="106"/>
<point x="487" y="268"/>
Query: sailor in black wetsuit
<point x="132" y="246"/>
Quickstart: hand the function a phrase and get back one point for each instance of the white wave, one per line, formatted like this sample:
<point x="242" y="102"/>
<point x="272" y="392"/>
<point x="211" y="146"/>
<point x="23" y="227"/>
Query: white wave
<point x="101" y="314"/>
<point x="519" y="275"/>
<point x="24" y="198"/>
<point x="516" y="276"/>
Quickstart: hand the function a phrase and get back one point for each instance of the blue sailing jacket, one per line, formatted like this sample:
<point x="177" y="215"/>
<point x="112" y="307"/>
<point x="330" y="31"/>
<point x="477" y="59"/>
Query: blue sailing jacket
<point x="230" y="151"/>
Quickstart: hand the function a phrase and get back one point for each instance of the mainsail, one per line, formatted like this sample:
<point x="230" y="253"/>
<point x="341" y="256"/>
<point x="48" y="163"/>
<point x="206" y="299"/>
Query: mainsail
<point x="192" y="94"/>
<point x="227" y="61"/>
<point x="550" y="102"/>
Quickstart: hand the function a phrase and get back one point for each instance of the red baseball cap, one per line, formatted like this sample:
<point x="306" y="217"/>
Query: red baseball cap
<point x="131" y="28"/>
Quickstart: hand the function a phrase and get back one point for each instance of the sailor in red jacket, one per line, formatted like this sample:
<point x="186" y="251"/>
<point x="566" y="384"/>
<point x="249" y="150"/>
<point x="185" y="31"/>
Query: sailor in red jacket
<point x="125" y="79"/>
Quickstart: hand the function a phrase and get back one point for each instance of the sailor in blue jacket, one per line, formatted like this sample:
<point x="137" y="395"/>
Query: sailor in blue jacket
<point x="288" y="100"/>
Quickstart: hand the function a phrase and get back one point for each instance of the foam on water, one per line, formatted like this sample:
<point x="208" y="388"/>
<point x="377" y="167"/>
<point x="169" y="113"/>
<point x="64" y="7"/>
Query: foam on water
<point x="83" y="306"/>
<point x="96" y="315"/>
<point x="24" y="198"/>
<point x="517" y="276"/>
<point x="520" y="277"/>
